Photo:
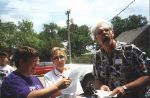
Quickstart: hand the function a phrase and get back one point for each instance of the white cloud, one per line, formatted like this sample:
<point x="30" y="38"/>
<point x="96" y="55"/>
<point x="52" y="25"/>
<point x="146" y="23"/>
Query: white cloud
<point x="82" y="11"/>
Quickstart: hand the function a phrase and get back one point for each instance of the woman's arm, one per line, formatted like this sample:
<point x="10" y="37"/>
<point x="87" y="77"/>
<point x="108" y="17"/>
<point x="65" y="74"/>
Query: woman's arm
<point x="49" y="91"/>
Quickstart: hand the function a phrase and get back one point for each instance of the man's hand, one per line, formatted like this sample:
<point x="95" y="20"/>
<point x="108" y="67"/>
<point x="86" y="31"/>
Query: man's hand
<point x="63" y="83"/>
<point x="118" y="90"/>
<point x="105" y="88"/>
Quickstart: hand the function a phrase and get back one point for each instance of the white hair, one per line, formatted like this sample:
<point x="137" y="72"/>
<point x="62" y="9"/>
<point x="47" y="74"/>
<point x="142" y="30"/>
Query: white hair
<point x="99" y="24"/>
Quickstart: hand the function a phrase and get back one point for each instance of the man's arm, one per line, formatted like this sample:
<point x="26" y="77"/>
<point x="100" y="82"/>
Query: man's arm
<point x="138" y="82"/>
<point x="100" y="86"/>
<point x="132" y="85"/>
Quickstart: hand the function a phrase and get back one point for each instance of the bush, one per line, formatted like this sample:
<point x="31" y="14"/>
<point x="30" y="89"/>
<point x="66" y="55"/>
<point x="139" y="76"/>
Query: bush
<point x="83" y="59"/>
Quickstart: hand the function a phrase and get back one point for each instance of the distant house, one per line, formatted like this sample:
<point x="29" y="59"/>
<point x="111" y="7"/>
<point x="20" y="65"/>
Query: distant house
<point x="140" y="37"/>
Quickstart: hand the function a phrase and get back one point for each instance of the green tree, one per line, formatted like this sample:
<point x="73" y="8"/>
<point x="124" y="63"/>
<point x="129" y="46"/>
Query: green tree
<point x="80" y="38"/>
<point x="132" y="22"/>
<point x="25" y="26"/>
<point x="49" y="38"/>
<point x="63" y="33"/>
<point x="25" y="35"/>
<point x="7" y="30"/>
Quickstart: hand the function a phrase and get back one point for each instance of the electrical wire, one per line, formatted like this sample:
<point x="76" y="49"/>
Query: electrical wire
<point x="123" y="9"/>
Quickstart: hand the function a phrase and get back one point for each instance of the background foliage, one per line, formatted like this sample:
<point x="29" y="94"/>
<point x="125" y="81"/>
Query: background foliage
<point x="52" y="35"/>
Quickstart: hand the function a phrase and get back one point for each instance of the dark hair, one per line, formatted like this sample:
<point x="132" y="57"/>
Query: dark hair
<point x="4" y="54"/>
<point x="24" y="53"/>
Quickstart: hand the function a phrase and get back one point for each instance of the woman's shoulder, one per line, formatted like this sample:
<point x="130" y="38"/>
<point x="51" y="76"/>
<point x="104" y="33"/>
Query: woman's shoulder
<point x="8" y="67"/>
<point x="13" y="78"/>
<point x="49" y="73"/>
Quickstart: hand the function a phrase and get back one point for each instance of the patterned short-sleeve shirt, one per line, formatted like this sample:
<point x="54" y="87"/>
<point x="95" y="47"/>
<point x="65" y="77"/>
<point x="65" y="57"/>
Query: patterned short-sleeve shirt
<point x="126" y="64"/>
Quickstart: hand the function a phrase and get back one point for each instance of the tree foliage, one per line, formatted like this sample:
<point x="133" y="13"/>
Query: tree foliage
<point x="49" y="38"/>
<point x="7" y="30"/>
<point x="132" y="22"/>
<point x="80" y="38"/>
<point x="25" y="26"/>
<point x="52" y="35"/>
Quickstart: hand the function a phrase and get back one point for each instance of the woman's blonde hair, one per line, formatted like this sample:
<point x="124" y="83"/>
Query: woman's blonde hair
<point x="56" y="49"/>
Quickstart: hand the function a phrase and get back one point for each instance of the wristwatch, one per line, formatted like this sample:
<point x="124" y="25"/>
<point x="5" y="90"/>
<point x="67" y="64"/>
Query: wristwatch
<point x="125" y="88"/>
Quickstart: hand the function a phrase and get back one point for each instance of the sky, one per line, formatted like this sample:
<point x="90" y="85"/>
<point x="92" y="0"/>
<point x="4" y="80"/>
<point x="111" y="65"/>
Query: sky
<point x="86" y="12"/>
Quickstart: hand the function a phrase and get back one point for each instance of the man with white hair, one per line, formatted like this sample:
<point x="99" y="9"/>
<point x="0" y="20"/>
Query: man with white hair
<point x="120" y="67"/>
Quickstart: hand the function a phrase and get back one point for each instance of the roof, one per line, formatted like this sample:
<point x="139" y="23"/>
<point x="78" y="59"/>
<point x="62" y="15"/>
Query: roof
<point x="131" y="35"/>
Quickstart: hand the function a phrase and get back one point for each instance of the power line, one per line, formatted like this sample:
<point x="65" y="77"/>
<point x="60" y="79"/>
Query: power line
<point x="30" y="10"/>
<point x="123" y="9"/>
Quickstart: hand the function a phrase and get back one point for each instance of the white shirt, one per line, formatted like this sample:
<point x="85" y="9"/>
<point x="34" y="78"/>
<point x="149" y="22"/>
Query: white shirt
<point x="5" y="71"/>
<point x="75" y="86"/>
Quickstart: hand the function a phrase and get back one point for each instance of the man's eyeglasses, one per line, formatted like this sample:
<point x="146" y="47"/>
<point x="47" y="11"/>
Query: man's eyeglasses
<point x="59" y="57"/>
<point x="100" y="31"/>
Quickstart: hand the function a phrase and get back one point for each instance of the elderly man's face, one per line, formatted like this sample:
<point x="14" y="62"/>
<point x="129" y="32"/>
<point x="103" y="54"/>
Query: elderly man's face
<point x="104" y="35"/>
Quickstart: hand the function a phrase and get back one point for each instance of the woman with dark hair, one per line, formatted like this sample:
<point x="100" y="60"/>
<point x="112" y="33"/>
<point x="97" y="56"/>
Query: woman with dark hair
<point x="22" y="84"/>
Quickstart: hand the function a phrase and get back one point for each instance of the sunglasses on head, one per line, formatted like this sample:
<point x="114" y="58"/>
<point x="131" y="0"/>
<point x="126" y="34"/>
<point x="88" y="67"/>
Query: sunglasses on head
<point x="61" y="57"/>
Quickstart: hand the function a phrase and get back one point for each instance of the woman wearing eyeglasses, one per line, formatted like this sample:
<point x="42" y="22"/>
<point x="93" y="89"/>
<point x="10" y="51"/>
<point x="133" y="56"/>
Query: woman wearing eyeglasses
<point x="60" y="71"/>
<point x="22" y="84"/>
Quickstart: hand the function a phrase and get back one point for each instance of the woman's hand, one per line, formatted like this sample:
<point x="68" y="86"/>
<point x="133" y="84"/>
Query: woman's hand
<point x="63" y="83"/>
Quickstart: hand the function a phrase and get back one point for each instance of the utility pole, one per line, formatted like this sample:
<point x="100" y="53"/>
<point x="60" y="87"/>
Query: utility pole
<point x="68" y="26"/>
